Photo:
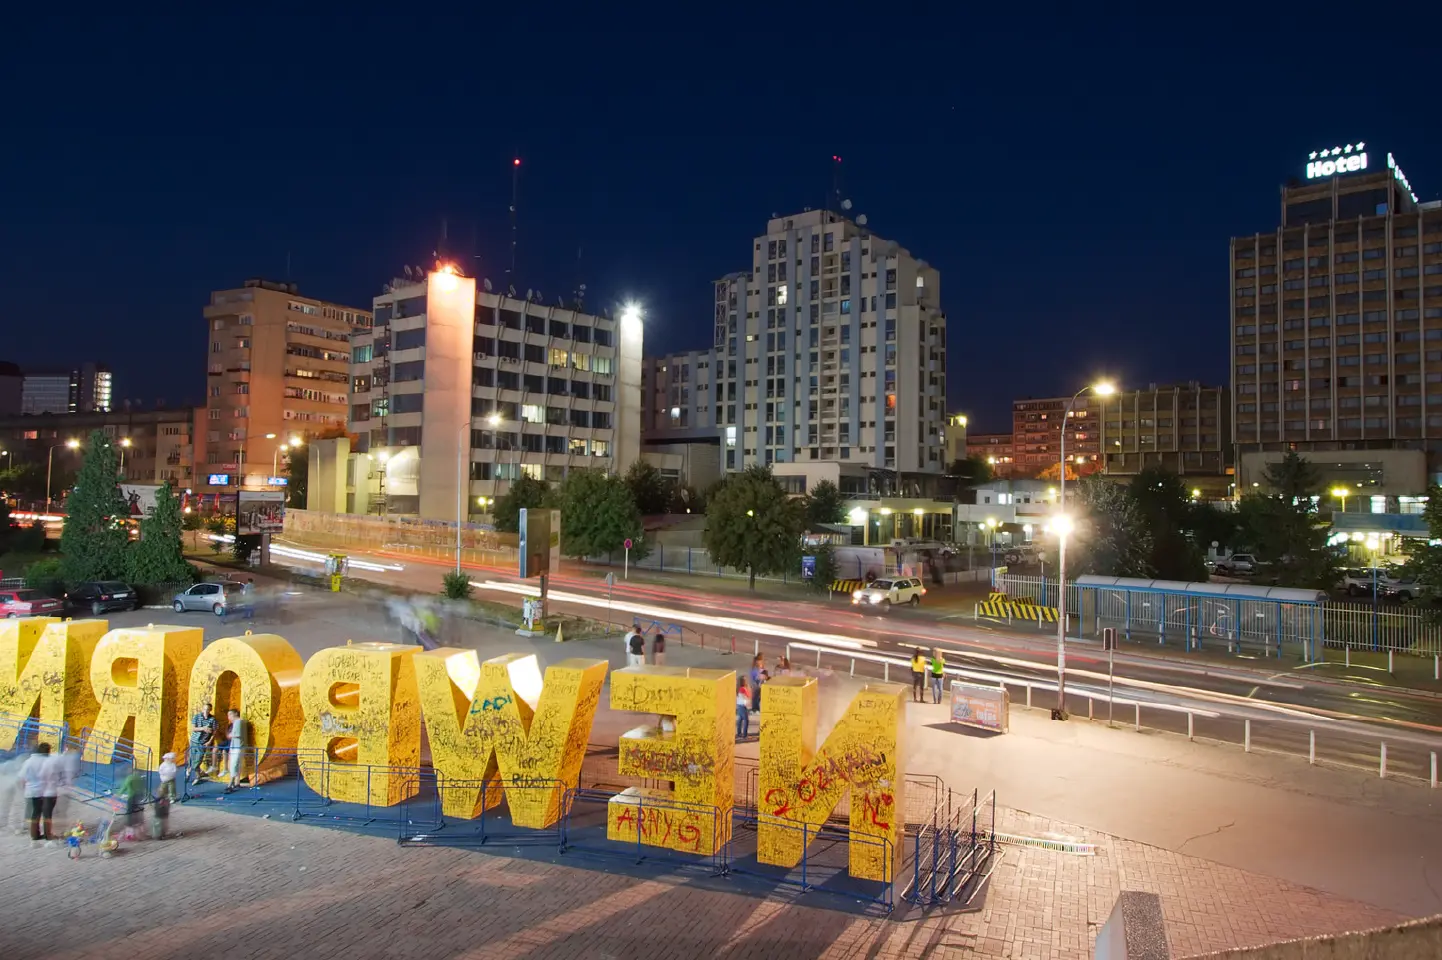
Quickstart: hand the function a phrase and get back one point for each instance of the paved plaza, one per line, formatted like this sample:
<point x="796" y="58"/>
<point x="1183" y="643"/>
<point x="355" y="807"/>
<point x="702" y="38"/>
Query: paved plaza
<point x="1242" y="850"/>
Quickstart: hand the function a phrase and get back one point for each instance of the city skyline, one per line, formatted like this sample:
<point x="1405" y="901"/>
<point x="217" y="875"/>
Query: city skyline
<point x="1119" y="197"/>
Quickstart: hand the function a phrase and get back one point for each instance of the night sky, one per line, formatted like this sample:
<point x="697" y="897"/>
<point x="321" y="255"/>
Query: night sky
<point x="1074" y="179"/>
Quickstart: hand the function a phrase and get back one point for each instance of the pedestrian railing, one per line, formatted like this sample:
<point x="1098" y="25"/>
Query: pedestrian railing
<point x="647" y="829"/>
<point x="494" y="800"/>
<point x="951" y="853"/>
<point x="824" y="862"/>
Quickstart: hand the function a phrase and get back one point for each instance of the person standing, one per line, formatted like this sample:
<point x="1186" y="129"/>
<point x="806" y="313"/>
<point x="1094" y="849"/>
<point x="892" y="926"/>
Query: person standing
<point x="918" y="676"/>
<point x="167" y="772"/>
<point x="202" y="741"/>
<point x="658" y="649"/>
<point x="41" y="777"/>
<point x="235" y="742"/>
<point x="636" y="649"/>
<point x="938" y="674"/>
<point x="743" y="711"/>
<point x="758" y="665"/>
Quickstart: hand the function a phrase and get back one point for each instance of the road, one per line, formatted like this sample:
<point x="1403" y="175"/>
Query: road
<point x="1349" y="717"/>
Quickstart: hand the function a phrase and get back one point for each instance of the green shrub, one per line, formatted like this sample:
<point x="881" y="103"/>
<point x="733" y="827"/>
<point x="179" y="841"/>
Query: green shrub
<point x="456" y="586"/>
<point x="45" y="576"/>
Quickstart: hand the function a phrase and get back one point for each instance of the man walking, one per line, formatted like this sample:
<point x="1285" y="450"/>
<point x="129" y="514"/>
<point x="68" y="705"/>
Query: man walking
<point x="202" y="740"/>
<point x="938" y="674"/>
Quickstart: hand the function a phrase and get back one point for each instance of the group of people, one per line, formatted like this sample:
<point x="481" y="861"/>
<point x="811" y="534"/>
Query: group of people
<point x="921" y="666"/>
<point x="207" y="739"/>
<point x="748" y="691"/>
<point x="635" y="641"/>
<point x="46" y="777"/>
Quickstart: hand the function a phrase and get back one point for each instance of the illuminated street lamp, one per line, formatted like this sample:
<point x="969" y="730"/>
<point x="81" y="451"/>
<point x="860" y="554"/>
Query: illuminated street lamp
<point x="1061" y="525"/>
<point x="71" y="444"/>
<point x="1101" y="388"/>
<point x="991" y="539"/>
<point x="1341" y="492"/>
<point x="275" y="459"/>
<point x="124" y="446"/>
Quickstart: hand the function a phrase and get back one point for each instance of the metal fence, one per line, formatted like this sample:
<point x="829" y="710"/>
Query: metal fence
<point x="1199" y="620"/>
<point x="951" y="853"/>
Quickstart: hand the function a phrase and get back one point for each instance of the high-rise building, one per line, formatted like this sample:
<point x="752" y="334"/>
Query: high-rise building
<point x="154" y="446"/>
<point x="1036" y="427"/>
<point x="997" y="449"/>
<point x="830" y="351"/>
<point x="452" y="382"/>
<point x="1183" y="428"/>
<point x="1336" y="327"/>
<point x="87" y="388"/>
<point x="278" y="369"/>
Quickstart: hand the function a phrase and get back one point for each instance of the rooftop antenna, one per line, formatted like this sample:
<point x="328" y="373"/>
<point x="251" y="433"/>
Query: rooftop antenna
<point x="515" y="191"/>
<point x="833" y="201"/>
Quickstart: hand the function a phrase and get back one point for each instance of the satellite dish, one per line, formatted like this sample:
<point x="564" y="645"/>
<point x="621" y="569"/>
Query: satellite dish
<point x="511" y="290"/>
<point x="385" y="288"/>
<point x="861" y="220"/>
<point x="846" y="204"/>
<point x="420" y="272"/>
<point x="540" y="297"/>
<point x="529" y="293"/>
<point x="583" y="288"/>
<point x="486" y="283"/>
<point x="408" y="271"/>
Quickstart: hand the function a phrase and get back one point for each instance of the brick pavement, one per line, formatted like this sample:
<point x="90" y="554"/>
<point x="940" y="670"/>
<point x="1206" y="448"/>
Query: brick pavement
<point x="239" y="886"/>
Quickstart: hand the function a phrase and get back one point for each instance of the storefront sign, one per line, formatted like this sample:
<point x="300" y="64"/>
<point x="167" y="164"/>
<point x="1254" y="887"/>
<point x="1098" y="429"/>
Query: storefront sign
<point x="1328" y="163"/>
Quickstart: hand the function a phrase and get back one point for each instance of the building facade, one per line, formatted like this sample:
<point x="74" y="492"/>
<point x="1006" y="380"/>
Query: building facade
<point x="1183" y="428"/>
<point x="453" y="386"/>
<point x="997" y="449"/>
<point x="155" y="445"/>
<point x="1036" y="427"/>
<point x="1336" y="326"/>
<point x="278" y="370"/>
<point x="831" y="348"/>
<point x="88" y="388"/>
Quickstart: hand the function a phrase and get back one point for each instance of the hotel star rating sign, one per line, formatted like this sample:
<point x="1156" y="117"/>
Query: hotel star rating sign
<point x="1352" y="158"/>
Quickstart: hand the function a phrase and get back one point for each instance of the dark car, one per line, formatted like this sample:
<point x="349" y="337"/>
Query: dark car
<point x="102" y="596"/>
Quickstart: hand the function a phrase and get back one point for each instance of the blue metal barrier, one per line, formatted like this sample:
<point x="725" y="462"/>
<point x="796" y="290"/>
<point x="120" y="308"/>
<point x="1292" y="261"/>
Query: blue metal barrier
<point x="116" y="758"/>
<point x="420" y="811"/>
<point x="272" y="779"/>
<point x="824" y="865"/>
<point x="24" y="733"/>
<point x="489" y="824"/>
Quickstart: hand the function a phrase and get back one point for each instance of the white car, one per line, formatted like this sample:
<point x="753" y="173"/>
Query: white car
<point x="884" y="594"/>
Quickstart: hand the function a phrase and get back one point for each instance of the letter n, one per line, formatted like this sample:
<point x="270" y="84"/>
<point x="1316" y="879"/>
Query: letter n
<point x="802" y="785"/>
<point x="45" y="674"/>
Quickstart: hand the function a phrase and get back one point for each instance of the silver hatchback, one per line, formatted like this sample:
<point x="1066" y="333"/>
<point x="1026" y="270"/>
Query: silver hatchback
<point x="214" y="598"/>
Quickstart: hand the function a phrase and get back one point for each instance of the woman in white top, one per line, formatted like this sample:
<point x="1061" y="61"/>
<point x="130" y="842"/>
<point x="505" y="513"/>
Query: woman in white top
<point x="41" y="775"/>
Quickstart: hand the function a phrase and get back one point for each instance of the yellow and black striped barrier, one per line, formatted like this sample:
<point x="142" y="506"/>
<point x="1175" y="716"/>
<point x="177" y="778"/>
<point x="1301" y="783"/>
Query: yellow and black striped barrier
<point x="847" y="587"/>
<point x="999" y="606"/>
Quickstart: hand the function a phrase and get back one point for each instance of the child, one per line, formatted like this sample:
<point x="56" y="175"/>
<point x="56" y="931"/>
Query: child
<point x="168" y="771"/>
<point x="132" y="795"/>
<point x="160" y="816"/>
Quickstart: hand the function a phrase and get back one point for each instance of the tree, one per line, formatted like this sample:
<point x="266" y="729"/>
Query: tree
<point x="650" y="491"/>
<point x="95" y="539"/>
<point x="157" y="557"/>
<point x="1293" y="478"/>
<point x="972" y="471"/>
<point x="753" y="525"/>
<point x="825" y="574"/>
<point x="1168" y="512"/>
<point x="526" y="492"/>
<point x="1110" y="537"/>
<point x="598" y="514"/>
<point x="1284" y="531"/>
<point x="297" y="473"/>
<point x="1424" y="561"/>
<point x="824" y="504"/>
<point x="27" y="481"/>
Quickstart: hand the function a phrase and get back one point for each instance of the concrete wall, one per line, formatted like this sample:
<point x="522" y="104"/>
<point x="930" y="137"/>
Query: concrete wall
<point x="1418" y="940"/>
<point x="325" y="480"/>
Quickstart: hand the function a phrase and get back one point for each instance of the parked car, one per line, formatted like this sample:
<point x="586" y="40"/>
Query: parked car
<point x="102" y="596"/>
<point x="885" y="593"/>
<point x="1402" y="590"/>
<point x="214" y="597"/>
<point x="28" y="603"/>
<point x="1238" y="564"/>
<point x="1357" y="581"/>
<point x="1023" y="553"/>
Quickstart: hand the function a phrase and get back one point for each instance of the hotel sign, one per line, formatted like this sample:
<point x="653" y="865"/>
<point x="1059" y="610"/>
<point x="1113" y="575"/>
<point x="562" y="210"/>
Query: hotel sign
<point x="1328" y="163"/>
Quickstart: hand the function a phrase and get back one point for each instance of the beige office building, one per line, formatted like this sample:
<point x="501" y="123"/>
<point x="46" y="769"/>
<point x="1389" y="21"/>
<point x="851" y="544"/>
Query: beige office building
<point x="455" y="386"/>
<point x="1181" y="428"/>
<point x="1336" y="327"/>
<point x="278" y="371"/>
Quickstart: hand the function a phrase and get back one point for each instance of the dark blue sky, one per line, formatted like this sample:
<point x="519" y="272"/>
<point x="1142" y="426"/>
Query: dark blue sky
<point x="1075" y="179"/>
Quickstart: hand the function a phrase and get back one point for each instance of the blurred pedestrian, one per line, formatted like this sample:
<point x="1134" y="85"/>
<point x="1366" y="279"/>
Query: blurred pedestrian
<point x="167" y="772"/>
<point x="918" y="676"/>
<point x="235" y="748"/>
<point x="658" y="649"/>
<point x="743" y="711"/>
<point x="42" y="782"/>
<point x="783" y="666"/>
<point x="757" y="668"/>
<point x="636" y="649"/>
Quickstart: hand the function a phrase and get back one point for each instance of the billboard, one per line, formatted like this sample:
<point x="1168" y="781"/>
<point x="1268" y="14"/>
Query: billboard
<point x="540" y="541"/>
<point x="987" y="708"/>
<point x="139" y="498"/>
<point x="260" y="511"/>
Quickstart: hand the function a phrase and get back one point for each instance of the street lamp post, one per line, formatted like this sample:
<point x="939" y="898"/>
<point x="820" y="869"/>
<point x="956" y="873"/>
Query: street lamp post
<point x="124" y="445"/>
<point x="275" y="459"/>
<point x="991" y="541"/>
<point x="1062" y="524"/>
<point x="70" y="444"/>
<point x="463" y="449"/>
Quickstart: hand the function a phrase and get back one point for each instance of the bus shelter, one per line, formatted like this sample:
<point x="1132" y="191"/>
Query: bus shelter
<point x="1236" y="615"/>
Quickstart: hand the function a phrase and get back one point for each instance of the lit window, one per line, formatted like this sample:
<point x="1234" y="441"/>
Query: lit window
<point x="781" y="295"/>
<point x="533" y="413"/>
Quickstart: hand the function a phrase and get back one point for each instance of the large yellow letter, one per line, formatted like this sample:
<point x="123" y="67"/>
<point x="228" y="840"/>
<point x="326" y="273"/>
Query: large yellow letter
<point x="802" y="785"/>
<point x="361" y="720"/>
<point x="45" y="674"/>
<point x="481" y="729"/>
<point x="267" y="670"/>
<point x="137" y="676"/>
<point x="697" y="757"/>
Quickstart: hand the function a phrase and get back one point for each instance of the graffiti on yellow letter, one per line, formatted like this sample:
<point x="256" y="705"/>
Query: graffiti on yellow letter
<point x="361" y="721"/>
<point x="45" y="674"/>
<point x="693" y="816"/>
<point x="482" y="729"/>
<point x="259" y="675"/>
<point x="802" y="785"/>
<point x="138" y="676"/>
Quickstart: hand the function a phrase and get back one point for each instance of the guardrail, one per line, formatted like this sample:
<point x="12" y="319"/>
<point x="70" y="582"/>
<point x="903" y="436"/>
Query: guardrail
<point x="1400" y="752"/>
